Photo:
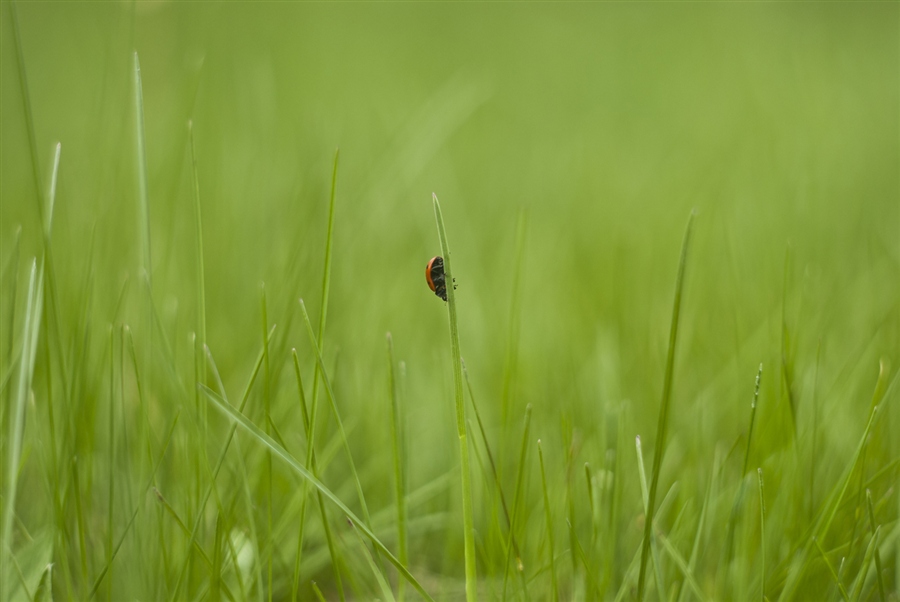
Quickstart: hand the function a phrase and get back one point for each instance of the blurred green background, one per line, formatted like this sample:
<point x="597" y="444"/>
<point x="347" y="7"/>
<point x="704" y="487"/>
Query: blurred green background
<point x="601" y="124"/>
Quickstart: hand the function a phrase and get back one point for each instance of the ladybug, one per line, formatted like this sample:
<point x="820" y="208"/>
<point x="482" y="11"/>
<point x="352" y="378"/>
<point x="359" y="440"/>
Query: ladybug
<point x="434" y="276"/>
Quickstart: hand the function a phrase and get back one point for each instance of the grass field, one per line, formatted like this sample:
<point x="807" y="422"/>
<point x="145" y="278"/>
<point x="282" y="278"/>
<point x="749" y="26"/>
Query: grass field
<point x="675" y="233"/>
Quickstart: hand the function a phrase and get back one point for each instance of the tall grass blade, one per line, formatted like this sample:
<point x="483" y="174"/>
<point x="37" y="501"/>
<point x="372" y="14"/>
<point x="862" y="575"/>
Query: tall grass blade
<point x="468" y="519"/>
<point x="326" y="281"/>
<point x="143" y="186"/>
<point x="642" y="478"/>
<point x="267" y="400"/>
<point x="239" y="419"/>
<point x="201" y="512"/>
<point x="11" y="271"/>
<point x="111" y="434"/>
<point x="398" y="440"/>
<point x="17" y="426"/>
<point x="548" y="517"/>
<point x="762" y="534"/>
<point x="494" y="473"/>
<point x="701" y="523"/>
<point x="512" y="345"/>
<point x="337" y="415"/>
<point x="29" y="113"/>
<point x="787" y="367"/>
<point x="201" y="277"/>
<point x="311" y="466"/>
<point x="520" y="477"/>
<point x="664" y="409"/>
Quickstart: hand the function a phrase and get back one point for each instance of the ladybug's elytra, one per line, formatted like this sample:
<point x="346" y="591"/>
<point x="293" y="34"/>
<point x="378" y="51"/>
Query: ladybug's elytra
<point x="434" y="275"/>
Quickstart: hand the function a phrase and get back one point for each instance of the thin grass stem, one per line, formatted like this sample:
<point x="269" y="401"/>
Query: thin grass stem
<point x="548" y="517"/>
<point x="663" y="425"/>
<point x="399" y="452"/>
<point x="762" y="534"/>
<point x="465" y="477"/>
<point x="26" y="371"/>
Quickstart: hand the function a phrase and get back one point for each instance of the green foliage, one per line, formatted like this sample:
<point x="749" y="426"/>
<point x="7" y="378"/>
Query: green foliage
<point x="143" y="202"/>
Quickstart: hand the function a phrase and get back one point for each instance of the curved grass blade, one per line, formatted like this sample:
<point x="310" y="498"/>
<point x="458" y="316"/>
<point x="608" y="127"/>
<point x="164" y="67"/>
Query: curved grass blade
<point x="295" y="465"/>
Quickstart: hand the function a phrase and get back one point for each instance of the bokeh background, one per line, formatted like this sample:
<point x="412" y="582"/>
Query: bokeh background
<point x="598" y="126"/>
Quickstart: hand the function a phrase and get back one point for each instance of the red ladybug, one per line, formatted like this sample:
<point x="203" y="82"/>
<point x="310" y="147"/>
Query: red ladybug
<point x="434" y="276"/>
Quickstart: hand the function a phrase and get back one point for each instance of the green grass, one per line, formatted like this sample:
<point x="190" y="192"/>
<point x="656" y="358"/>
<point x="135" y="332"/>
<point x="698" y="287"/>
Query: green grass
<point x="169" y="430"/>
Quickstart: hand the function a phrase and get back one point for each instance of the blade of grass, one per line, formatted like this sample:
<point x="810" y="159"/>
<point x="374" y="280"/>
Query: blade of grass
<point x="734" y="516"/>
<point x="822" y="526"/>
<point x="815" y="433"/>
<point x="878" y="571"/>
<point x="201" y="278"/>
<point x="867" y="562"/>
<point x="29" y="114"/>
<point x="548" y="517"/>
<point x="318" y="592"/>
<point x="468" y="519"/>
<point x="834" y="575"/>
<point x="701" y="522"/>
<point x="673" y="553"/>
<point x="762" y="536"/>
<point x="143" y="187"/>
<point x="588" y="571"/>
<point x="267" y="406"/>
<point x="326" y="283"/>
<point x="512" y="346"/>
<point x="26" y="372"/>
<point x="311" y="466"/>
<point x="662" y="427"/>
<point x="752" y="419"/>
<point x="520" y="474"/>
<point x="370" y="560"/>
<point x="398" y="433"/>
<point x="222" y="454"/>
<point x="239" y="419"/>
<point x="111" y="459"/>
<point x="337" y="415"/>
<point x="137" y="510"/>
<point x="11" y="289"/>
<point x="787" y="371"/>
<point x="642" y="477"/>
<point x="495" y="474"/>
